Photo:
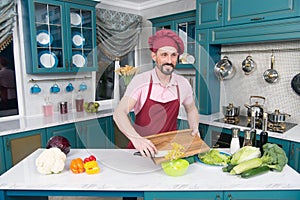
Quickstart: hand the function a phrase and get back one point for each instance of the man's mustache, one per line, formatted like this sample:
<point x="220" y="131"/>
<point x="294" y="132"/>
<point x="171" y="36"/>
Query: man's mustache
<point x="169" y="64"/>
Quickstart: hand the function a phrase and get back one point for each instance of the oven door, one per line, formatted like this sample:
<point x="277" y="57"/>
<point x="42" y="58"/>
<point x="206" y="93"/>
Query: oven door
<point x="218" y="137"/>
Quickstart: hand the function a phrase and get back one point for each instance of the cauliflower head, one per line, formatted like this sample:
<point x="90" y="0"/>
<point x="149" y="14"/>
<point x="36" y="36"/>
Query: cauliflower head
<point x="51" y="161"/>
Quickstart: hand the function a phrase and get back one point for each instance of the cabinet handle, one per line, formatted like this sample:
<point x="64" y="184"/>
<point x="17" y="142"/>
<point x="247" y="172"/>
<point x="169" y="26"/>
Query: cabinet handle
<point x="7" y="144"/>
<point x="257" y="18"/>
<point x="292" y="152"/>
<point x="229" y="197"/>
<point x="218" y="197"/>
<point x="220" y="10"/>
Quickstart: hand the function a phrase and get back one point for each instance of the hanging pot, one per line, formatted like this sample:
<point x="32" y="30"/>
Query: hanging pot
<point x="231" y="111"/>
<point x="224" y="69"/>
<point x="296" y="83"/>
<point x="271" y="75"/>
<point x="256" y="108"/>
<point x="276" y="116"/>
<point x="248" y="65"/>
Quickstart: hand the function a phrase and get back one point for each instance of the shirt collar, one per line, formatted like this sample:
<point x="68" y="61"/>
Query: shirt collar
<point x="156" y="80"/>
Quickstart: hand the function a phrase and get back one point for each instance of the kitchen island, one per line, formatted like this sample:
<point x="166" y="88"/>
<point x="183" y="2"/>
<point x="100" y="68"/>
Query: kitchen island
<point x="123" y="174"/>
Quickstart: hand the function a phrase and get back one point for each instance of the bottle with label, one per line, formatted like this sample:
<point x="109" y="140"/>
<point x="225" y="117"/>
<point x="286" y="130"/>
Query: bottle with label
<point x="253" y="129"/>
<point x="247" y="138"/>
<point x="264" y="133"/>
<point x="235" y="142"/>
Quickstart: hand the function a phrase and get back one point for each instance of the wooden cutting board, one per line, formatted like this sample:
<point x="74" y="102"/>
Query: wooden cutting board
<point x="192" y="144"/>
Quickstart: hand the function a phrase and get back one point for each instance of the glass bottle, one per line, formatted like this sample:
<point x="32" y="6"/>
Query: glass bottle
<point x="253" y="129"/>
<point x="264" y="133"/>
<point x="235" y="142"/>
<point x="247" y="138"/>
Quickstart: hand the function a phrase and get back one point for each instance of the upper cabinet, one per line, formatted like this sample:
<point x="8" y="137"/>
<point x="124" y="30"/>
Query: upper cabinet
<point x="218" y="13"/>
<point x="184" y="24"/>
<point x="62" y="36"/>
<point x="242" y="12"/>
<point x="209" y="13"/>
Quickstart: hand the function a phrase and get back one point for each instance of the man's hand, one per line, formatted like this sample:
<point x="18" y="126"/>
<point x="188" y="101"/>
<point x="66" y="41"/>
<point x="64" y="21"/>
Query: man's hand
<point x="144" y="146"/>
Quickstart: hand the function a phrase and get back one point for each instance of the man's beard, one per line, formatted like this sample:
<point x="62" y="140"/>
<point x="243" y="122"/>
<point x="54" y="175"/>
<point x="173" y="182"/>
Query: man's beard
<point x="166" y="71"/>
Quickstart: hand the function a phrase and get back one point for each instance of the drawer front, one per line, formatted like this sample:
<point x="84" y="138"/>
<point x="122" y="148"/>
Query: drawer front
<point x="242" y="12"/>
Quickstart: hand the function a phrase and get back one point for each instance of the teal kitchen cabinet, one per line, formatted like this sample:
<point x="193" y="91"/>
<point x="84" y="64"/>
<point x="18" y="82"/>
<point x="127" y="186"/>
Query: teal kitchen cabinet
<point x="19" y="145"/>
<point x="62" y="36"/>
<point x="243" y="12"/>
<point x="182" y="124"/>
<point x="294" y="159"/>
<point x="96" y="133"/>
<point x="209" y="13"/>
<point x="185" y="24"/>
<point x="261" y="195"/>
<point x="207" y="84"/>
<point x="2" y="158"/>
<point x="68" y="131"/>
<point x="215" y="195"/>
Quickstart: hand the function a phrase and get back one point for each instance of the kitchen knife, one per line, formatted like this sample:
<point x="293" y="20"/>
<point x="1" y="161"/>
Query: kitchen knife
<point x="160" y="153"/>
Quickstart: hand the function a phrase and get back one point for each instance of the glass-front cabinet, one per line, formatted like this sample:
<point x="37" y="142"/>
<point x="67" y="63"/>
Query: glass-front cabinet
<point x="184" y="24"/>
<point x="63" y="36"/>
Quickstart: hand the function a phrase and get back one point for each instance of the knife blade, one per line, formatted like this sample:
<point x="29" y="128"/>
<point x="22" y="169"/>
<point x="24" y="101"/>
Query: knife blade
<point x="160" y="153"/>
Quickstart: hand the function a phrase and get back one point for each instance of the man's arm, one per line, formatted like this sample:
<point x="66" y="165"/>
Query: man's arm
<point x="192" y="117"/>
<point x="123" y="122"/>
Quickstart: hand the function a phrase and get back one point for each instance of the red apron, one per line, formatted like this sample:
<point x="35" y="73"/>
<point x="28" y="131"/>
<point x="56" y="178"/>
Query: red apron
<point x="156" y="117"/>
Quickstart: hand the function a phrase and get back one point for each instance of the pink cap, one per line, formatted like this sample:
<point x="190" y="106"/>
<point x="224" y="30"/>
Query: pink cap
<point x="164" y="38"/>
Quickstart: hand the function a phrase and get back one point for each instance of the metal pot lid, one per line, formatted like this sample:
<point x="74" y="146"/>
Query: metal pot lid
<point x="224" y="69"/>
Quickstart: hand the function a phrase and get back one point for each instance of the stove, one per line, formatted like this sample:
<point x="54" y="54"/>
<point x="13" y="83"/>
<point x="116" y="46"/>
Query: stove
<point x="244" y="121"/>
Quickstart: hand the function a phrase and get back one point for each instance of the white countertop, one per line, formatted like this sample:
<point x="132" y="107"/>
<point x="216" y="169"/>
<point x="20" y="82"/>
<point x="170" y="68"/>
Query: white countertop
<point x="36" y="122"/>
<point x="292" y="135"/>
<point x="122" y="171"/>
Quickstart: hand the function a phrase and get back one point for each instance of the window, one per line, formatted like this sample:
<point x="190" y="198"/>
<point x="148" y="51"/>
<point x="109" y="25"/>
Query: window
<point x="8" y="92"/>
<point x="106" y="77"/>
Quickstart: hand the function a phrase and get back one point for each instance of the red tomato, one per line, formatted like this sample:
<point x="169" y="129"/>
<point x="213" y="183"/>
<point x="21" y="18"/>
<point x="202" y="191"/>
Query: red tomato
<point x="92" y="158"/>
<point x="86" y="160"/>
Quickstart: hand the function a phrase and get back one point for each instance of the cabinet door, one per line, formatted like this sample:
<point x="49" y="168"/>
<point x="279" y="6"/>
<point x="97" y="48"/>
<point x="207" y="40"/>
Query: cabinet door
<point x="209" y="13"/>
<point x="81" y="24"/>
<point x="294" y="159"/>
<point x="2" y="157"/>
<point x="48" y="48"/>
<point x="207" y="85"/>
<point x="68" y="131"/>
<point x="96" y="133"/>
<point x="183" y="23"/>
<point x="20" y="145"/>
<point x="183" y="195"/>
<point x="262" y="195"/>
<point x="62" y="37"/>
<point x="182" y="124"/>
<point x="241" y="11"/>
<point x="284" y="144"/>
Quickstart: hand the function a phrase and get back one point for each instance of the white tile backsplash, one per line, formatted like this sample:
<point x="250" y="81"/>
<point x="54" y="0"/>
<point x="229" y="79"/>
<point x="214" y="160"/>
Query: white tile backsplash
<point x="279" y="95"/>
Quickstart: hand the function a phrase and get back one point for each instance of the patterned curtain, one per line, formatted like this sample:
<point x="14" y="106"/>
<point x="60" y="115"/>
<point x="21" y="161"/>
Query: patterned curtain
<point x="117" y="32"/>
<point x="7" y="19"/>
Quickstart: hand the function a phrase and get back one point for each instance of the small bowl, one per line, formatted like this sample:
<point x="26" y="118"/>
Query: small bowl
<point x="175" y="167"/>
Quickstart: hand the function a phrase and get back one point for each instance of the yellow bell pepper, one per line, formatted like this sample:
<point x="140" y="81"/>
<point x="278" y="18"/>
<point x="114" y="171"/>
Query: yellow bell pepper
<point x="91" y="167"/>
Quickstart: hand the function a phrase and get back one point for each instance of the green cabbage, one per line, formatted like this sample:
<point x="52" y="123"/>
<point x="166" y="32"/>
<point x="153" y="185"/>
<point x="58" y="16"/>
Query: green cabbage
<point x="245" y="153"/>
